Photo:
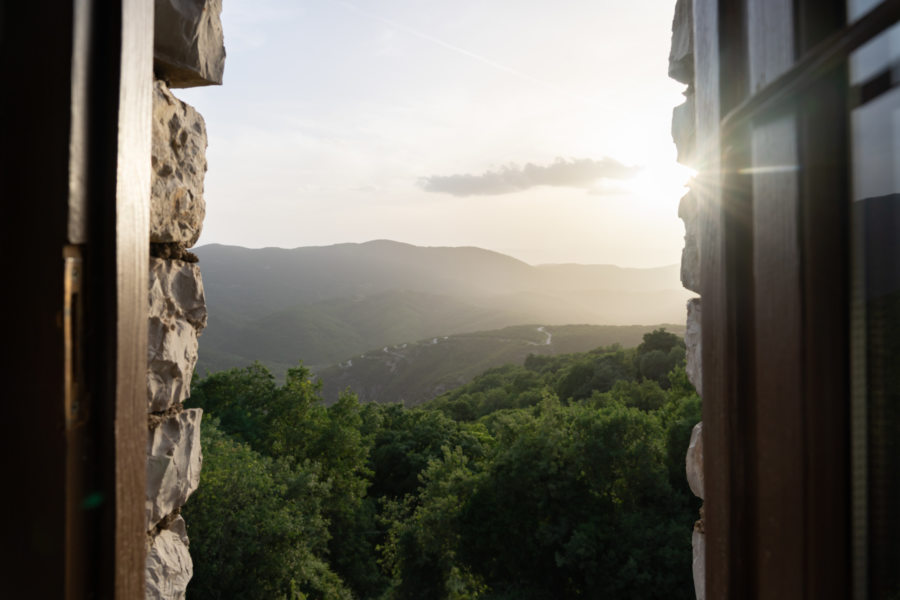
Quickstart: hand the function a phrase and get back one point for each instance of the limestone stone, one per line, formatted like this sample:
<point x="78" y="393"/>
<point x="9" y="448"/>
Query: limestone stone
<point x="177" y="316"/>
<point x="681" y="55"/>
<point x="179" y="527"/>
<point x="174" y="459"/>
<point x="173" y="356"/>
<point x="687" y="208"/>
<point x="698" y="543"/>
<point x="690" y="255"/>
<point x="188" y="44"/>
<point x="178" y="160"/>
<point x="684" y="129"/>
<point x="176" y="291"/>
<point x="693" y="340"/>
<point x="169" y="565"/>
<point x="693" y="461"/>
<point x="690" y="264"/>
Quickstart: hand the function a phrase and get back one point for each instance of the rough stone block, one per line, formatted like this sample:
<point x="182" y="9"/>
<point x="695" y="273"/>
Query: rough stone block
<point x="693" y="339"/>
<point x="690" y="264"/>
<point x="176" y="291"/>
<point x="687" y="208"/>
<point x="169" y="565"/>
<point x="174" y="459"/>
<point x="681" y="55"/>
<point x="173" y="356"/>
<point x="698" y="543"/>
<point x="693" y="461"/>
<point x="690" y="255"/>
<point x="177" y="316"/>
<point x="684" y="129"/>
<point x="178" y="160"/>
<point x="188" y="44"/>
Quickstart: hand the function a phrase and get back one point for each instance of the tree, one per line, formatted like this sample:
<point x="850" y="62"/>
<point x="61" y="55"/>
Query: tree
<point x="661" y="340"/>
<point x="424" y="536"/>
<point x="238" y="398"/>
<point x="564" y="479"/>
<point x="595" y="372"/>
<point x="659" y="353"/>
<point x="579" y="506"/>
<point x="256" y="526"/>
<point x="290" y="423"/>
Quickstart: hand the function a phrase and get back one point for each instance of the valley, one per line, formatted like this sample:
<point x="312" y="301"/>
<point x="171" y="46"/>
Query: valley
<point x="413" y="373"/>
<point x="328" y="305"/>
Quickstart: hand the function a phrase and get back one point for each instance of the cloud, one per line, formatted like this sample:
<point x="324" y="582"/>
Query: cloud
<point x="583" y="173"/>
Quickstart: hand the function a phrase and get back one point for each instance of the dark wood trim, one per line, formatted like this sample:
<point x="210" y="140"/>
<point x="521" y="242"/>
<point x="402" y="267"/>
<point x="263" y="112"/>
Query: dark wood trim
<point x="736" y="321"/>
<point x="775" y="289"/>
<point x="131" y="222"/>
<point x="733" y="88"/>
<point x="816" y="21"/>
<point x="726" y="209"/>
<point x="776" y="443"/>
<point x="118" y="264"/>
<point x="778" y="399"/>
<point x="824" y="222"/>
<point x="815" y="64"/>
<point x="75" y="192"/>
<point x="35" y="68"/>
<point x="874" y="87"/>
<point x="717" y="348"/>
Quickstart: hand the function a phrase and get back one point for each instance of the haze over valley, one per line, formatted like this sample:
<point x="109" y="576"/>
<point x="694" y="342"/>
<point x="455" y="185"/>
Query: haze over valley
<point x="329" y="305"/>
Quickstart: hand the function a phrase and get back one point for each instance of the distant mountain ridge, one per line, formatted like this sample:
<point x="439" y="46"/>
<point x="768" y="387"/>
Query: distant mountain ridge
<point x="322" y="304"/>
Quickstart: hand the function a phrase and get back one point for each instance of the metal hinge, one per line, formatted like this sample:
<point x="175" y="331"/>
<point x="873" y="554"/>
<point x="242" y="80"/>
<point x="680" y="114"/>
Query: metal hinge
<point x="73" y="331"/>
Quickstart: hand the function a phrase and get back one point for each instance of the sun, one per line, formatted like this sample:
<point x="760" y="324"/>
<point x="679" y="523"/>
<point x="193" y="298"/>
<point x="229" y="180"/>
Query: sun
<point x="662" y="182"/>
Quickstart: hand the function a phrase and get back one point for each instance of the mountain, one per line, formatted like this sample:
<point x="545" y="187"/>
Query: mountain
<point x="324" y="304"/>
<point x="413" y="373"/>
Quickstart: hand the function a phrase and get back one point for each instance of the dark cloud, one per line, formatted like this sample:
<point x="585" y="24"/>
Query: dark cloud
<point x="581" y="173"/>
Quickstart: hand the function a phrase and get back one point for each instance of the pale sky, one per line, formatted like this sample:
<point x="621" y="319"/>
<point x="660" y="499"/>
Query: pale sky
<point x="535" y="128"/>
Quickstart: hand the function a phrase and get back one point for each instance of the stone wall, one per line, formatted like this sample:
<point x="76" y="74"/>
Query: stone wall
<point x="189" y="51"/>
<point x="684" y="127"/>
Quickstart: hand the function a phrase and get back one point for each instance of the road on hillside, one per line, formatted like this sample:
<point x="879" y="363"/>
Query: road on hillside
<point x="547" y="333"/>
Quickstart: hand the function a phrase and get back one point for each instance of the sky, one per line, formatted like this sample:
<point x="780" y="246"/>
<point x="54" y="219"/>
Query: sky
<point x="537" y="129"/>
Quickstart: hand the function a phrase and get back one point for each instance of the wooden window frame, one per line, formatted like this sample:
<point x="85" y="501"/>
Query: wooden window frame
<point x="75" y="192"/>
<point x="776" y="383"/>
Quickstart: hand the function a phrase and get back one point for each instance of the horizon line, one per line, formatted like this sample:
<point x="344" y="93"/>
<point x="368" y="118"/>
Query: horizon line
<point x="461" y="247"/>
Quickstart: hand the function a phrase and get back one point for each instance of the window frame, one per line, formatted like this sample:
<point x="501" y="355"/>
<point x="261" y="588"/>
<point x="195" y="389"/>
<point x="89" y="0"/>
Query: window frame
<point x="776" y="350"/>
<point x="75" y="231"/>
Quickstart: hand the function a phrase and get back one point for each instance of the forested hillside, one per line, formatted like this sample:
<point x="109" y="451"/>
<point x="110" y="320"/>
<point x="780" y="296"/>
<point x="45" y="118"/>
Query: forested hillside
<point x="412" y="373"/>
<point x="329" y="303"/>
<point x="562" y="477"/>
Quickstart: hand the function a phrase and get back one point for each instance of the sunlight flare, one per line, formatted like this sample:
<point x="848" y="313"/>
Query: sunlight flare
<point x="662" y="183"/>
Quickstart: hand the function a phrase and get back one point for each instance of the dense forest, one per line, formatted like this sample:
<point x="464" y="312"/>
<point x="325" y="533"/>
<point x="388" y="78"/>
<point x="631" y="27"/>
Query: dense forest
<point x="559" y="478"/>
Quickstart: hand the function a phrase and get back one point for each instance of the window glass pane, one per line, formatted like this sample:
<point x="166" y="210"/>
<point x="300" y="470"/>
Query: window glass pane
<point x="876" y="315"/>
<point x="858" y="8"/>
<point x="878" y="58"/>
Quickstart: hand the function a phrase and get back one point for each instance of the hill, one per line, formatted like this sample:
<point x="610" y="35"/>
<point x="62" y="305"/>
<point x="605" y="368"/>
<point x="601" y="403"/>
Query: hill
<point x="534" y="481"/>
<point x="324" y="304"/>
<point x="415" y="373"/>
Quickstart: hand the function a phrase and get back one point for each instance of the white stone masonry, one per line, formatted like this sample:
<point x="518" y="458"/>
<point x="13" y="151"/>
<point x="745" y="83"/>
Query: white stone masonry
<point x="681" y="68"/>
<point x="188" y="46"/>
<point x="177" y="207"/>
<point x="177" y="316"/>
<point x="173" y="464"/>
<point x="188" y="51"/>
